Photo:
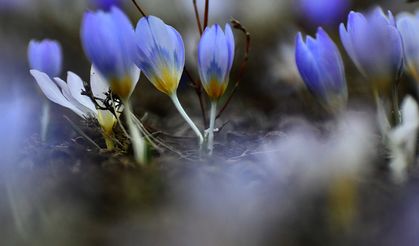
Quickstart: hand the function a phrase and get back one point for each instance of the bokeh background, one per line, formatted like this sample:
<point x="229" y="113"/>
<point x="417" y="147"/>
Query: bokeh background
<point x="57" y="193"/>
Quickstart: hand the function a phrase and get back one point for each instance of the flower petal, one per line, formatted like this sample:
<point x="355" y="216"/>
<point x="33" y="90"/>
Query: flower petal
<point x="373" y="43"/>
<point x="307" y="65"/>
<point x="45" y="56"/>
<point x="52" y="92"/>
<point x="108" y="40"/>
<point x="230" y="45"/>
<point x="135" y="76"/>
<point x="98" y="83"/>
<point x="68" y="95"/>
<point x="75" y="84"/>
<point x="160" y="53"/>
<point x="179" y="51"/>
<point x="213" y="55"/>
<point x="408" y="25"/>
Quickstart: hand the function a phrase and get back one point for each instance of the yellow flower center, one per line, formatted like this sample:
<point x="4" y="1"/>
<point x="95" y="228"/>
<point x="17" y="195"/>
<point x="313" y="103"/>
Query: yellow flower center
<point x="166" y="82"/>
<point x="215" y="89"/>
<point x="413" y="72"/>
<point x="122" y="87"/>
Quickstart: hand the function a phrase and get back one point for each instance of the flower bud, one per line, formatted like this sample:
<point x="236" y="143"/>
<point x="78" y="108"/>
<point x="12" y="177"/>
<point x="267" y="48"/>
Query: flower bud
<point x="160" y="53"/>
<point x="215" y="59"/>
<point x="321" y="67"/>
<point x="45" y="56"/>
<point x="374" y="45"/>
<point x="108" y="40"/>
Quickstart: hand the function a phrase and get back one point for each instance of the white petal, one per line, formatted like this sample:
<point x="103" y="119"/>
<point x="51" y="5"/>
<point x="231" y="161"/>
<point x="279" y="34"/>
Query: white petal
<point x="67" y="94"/>
<point x="135" y="76"/>
<point x="98" y="84"/>
<point x="75" y="84"/>
<point x="65" y="90"/>
<point x="410" y="111"/>
<point x="52" y="92"/>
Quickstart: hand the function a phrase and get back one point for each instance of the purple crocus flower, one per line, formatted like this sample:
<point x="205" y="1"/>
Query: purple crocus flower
<point x="108" y="40"/>
<point x="160" y="53"/>
<point x="161" y="56"/>
<point x="408" y="25"/>
<point x="45" y="56"/>
<point x="321" y="67"/>
<point x="215" y="59"/>
<point x="374" y="44"/>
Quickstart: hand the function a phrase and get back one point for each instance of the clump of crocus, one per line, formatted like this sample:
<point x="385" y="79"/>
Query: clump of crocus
<point x="321" y="67"/>
<point x="45" y="56"/>
<point x="108" y="40"/>
<point x="69" y="94"/>
<point x="408" y="26"/>
<point x="374" y="45"/>
<point x="161" y="57"/>
<point x="215" y="59"/>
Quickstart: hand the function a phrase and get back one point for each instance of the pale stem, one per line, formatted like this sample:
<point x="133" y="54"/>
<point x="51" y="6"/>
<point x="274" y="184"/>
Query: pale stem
<point x="137" y="141"/>
<point x="213" y="114"/>
<point x="186" y="117"/>
<point x="395" y="103"/>
<point x="117" y="117"/>
<point x="79" y="131"/>
<point x="376" y="96"/>
<point x="109" y="141"/>
<point x="45" y="117"/>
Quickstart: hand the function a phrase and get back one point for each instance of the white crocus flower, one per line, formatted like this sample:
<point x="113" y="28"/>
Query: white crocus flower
<point x="402" y="140"/>
<point x="68" y="94"/>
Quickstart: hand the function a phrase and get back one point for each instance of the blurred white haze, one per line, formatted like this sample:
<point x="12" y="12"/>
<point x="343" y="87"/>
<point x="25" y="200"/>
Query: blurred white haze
<point x="237" y="202"/>
<point x="234" y="203"/>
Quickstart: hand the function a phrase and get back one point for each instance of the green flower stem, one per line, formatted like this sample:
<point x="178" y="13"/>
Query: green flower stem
<point x="186" y="117"/>
<point x="138" y="144"/>
<point x="213" y="114"/>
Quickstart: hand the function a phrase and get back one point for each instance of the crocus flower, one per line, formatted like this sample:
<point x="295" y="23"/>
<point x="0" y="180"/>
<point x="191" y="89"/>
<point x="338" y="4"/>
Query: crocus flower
<point x="45" y="56"/>
<point x="106" y="4"/>
<point x="108" y="40"/>
<point x="215" y="59"/>
<point x="408" y="26"/>
<point x="321" y="67"/>
<point x="323" y="12"/>
<point x="374" y="44"/>
<point x="68" y="94"/>
<point x="160" y="53"/>
<point x="161" y="57"/>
